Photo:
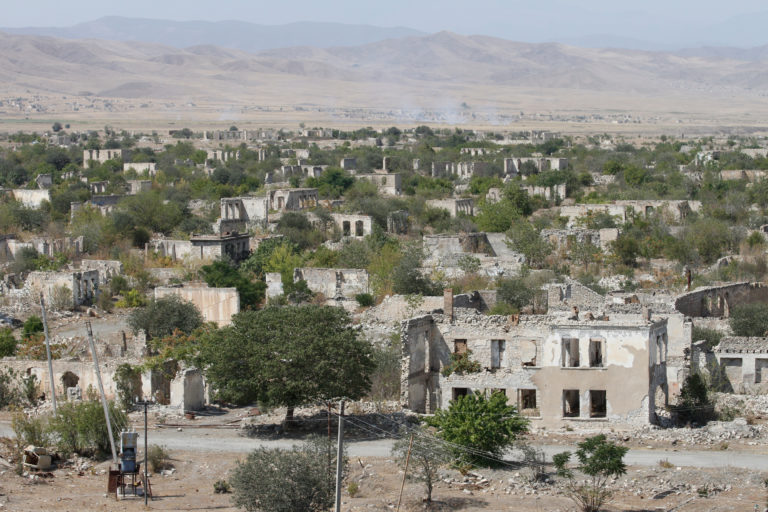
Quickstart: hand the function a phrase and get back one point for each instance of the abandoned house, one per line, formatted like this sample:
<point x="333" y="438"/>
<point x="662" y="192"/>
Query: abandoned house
<point x="292" y="199"/>
<point x="388" y="184"/>
<point x="455" y="206"/>
<point x="242" y="214"/>
<point x="737" y="364"/>
<point x="556" y="369"/>
<point x="353" y="226"/>
<point x="99" y="156"/>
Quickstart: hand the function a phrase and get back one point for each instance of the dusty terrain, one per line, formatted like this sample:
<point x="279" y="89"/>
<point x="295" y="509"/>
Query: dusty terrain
<point x="203" y="450"/>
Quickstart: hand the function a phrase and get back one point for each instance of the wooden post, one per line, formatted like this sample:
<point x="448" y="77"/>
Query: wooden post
<point x="405" y="473"/>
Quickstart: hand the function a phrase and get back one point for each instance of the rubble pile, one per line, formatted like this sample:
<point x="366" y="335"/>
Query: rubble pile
<point x="714" y="433"/>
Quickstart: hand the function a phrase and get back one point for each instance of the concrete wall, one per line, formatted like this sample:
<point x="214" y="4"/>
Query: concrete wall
<point x="100" y="156"/>
<point x="388" y="184"/>
<point x="82" y="285"/>
<point x="454" y="206"/>
<point x="334" y="282"/>
<point x="31" y="198"/>
<point x="215" y="304"/>
<point x="107" y="269"/>
<point x="188" y="390"/>
<point x="354" y="226"/>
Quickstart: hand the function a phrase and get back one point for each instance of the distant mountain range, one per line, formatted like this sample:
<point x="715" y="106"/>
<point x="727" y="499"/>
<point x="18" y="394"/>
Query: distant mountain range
<point x="406" y="72"/>
<point x="237" y="35"/>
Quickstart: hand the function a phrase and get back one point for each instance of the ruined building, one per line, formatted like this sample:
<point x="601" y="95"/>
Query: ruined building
<point x="556" y="369"/>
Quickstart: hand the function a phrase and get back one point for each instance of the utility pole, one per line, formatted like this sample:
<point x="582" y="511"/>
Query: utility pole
<point x="145" y="403"/>
<point x="101" y="390"/>
<point x="48" y="354"/>
<point x="340" y="456"/>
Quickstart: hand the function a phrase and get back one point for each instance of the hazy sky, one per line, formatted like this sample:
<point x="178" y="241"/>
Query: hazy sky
<point x="531" y="20"/>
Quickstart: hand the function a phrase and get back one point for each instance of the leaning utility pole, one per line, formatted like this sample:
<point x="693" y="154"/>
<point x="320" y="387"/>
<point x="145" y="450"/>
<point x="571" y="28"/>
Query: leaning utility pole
<point x="340" y="456"/>
<point x="48" y="354"/>
<point x="101" y="390"/>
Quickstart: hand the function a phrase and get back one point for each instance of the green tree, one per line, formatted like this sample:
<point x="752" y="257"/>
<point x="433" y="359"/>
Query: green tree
<point x="599" y="461"/>
<point x="481" y="427"/>
<point x="278" y="480"/>
<point x="288" y="356"/>
<point x="32" y="325"/>
<point x="7" y="342"/>
<point x="749" y="320"/>
<point x="220" y="274"/>
<point x="523" y="237"/>
<point x="407" y="278"/>
<point x="284" y="260"/>
<point x="161" y="317"/>
<point x="515" y="292"/>
<point x="693" y="403"/>
<point x="626" y="250"/>
<point x="427" y="456"/>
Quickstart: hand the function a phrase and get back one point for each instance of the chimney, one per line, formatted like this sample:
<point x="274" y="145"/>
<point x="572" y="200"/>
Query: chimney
<point x="646" y="314"/>
<point x="448" y="303"/>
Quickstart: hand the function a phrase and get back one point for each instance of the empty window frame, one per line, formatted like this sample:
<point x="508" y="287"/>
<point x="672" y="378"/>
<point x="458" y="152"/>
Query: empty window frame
<point x="457" y="392"/>
<point x="761" y="371"/>
<point x="597" y="404"/>
<point x="526" y="402"/>
<point x="596" y="352"/>
<point x="497" y="353"/>
<point x="571" y="403"/>
<point x="570" y="353"/>
<point x="459" y="346"/>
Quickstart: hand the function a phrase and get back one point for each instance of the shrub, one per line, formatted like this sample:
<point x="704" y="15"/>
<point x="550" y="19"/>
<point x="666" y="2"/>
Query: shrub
<point x="7" y="342"/>
<point x="365" y="300"/>
<point x="158" y="458"/>
<point x="132" y="299"/>
<point x="30" y="430"/>
<point x="221" y="487"/>
<point x="353" y="489"/>
<point x="104" y="302"/>
<point x="599" y="460"/>
<point x="61" y="299"/>
<point x="749" y="320"/>
<point x="693" y="403"/>
<point x="118" y="285"/>
<point x="9" y="393"/>
<point x="29" y="389"/>
<point x="281" y="480"/>
<point x="385" y="378"/>
<point x="128" y="385"/>
<point x="32" y="325"/>
<point x="80" y="427"/>
<point x="162" y="316"/>
<point x="711" y="336"/>
<point x="461" y="364"/>
<point x="484" y="426"/>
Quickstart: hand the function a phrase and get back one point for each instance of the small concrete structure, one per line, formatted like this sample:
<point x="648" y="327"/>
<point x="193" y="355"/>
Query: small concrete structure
<point x="740" y="361"/>
<point x="397" y="222"/>
<point x="44" y="181"/>
<point x="353" y="226"/>
<point x="348" y="164"/>
<point x="99" y="187"/>
<point x="553" y="193"/>
<point x="188" y="390"/>
<point x="107" y="269"/>
<point x="138" y="186"/>
<point x="334" y="283"/>
<point x="99" y="156"/>
<point x="513" y="166"/>
<point x="388" y="184"/>
<point x="293" y="199"/>
<point x="150" y="168"/>
<point x="215" y="304"/>
<point x="31" y="198"/>
<point x="236" y="246"/>
<point x="222" y="155"/>
<point x="564" y="239"/>
<point x="717" y="301"/>
<point x="242" y="213"/>
<point x="81" y="285"/>
<point x="455" y="206"/>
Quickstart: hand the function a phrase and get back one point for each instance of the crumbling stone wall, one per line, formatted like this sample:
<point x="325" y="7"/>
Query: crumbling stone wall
<point x="717" y="301"/>
<point x="334" y="282"/>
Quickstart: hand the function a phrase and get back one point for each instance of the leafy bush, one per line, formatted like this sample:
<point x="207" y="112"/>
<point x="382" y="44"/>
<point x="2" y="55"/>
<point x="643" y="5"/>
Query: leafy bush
<point x="599" y="460"/>
<point x="7" y="342"/>
<point x="365" y="300"/>
<point x="221" y="487"/>
<point x="711" y="336"/>
<point x="28" y="389"/>
<point x="693" y="403"/>
<point x="515" y="292"/>
<point x="30" y="430"/>
<point x="158" y="458"/>
<point x="128" y="385"/>
<point x="461" y="364"/>
<point x="80" y="427"/>
<point x="221" y="274"/>
<point x="385" y="378"/>
<point x="161" y="317"/>
<point x="9" y="392"/>
<point x="481" y="427"/>
<point x="32" y="325"/>
<point x="749" y="320"/>
<point x="132" y="299"/>
<point x="281" y="480"/>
